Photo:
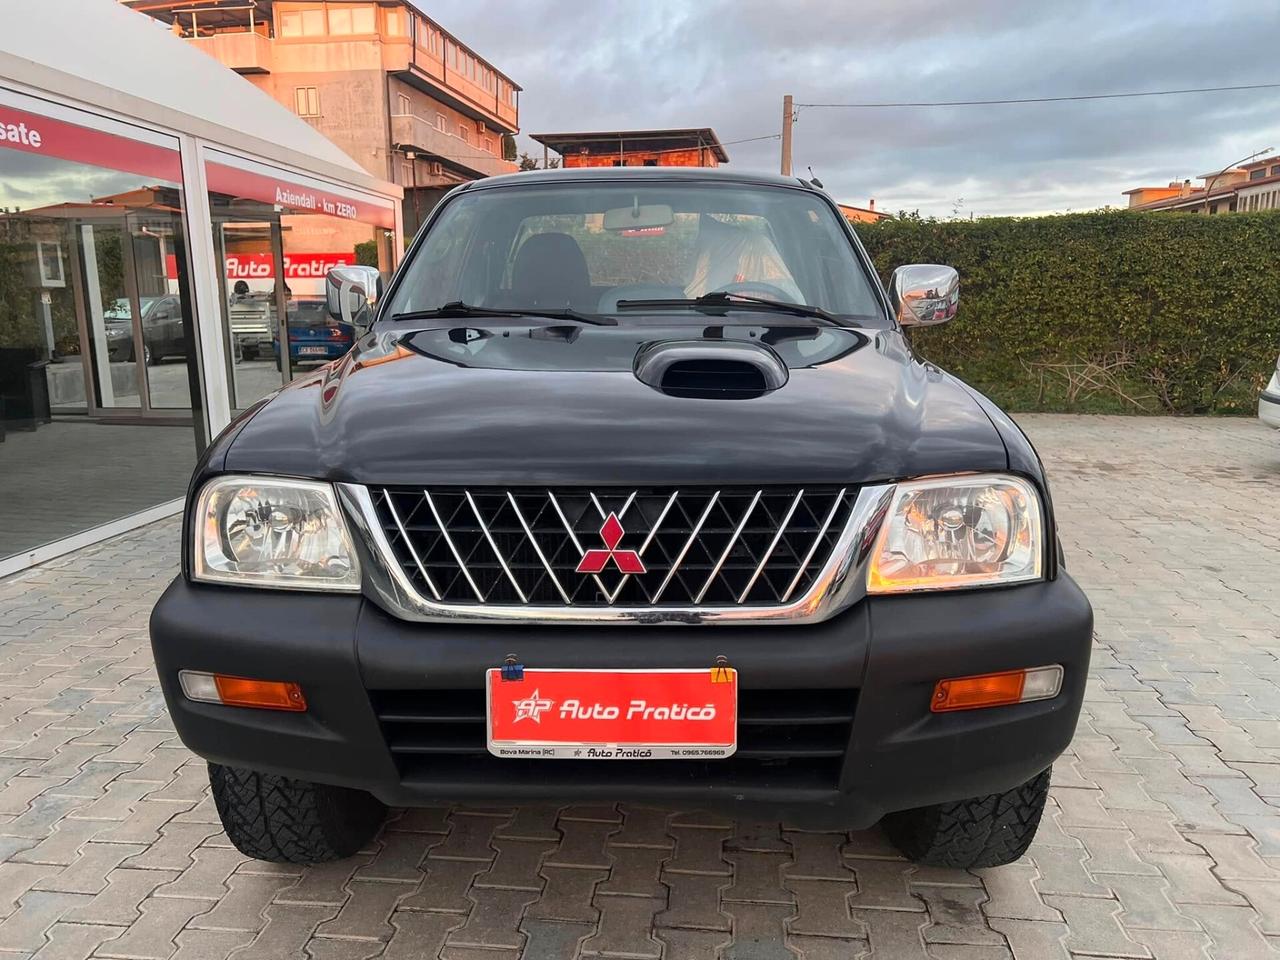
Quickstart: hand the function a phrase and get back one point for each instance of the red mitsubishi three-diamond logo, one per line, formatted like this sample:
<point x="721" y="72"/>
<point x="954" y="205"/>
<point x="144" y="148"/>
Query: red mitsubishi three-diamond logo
<point x="628" y="561"/>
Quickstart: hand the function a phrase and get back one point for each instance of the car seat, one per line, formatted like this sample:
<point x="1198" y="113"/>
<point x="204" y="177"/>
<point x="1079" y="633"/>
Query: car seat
<point x="550" y="271"/>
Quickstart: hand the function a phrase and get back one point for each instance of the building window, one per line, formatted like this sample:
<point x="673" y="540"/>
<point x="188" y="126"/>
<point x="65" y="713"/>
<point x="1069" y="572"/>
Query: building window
<point x="306" y="101"/>
<point x="1258" y="174"/>
<point x="302" y="23"/>
<point x="394" y="20"/>
<point x="442" y="123"/>
<point x="403" y="106"/>
<point x="488" y="144"/>
<point x="345" y="20"/>
<point x="406" y="174"/>
<point x="463" y="134"/>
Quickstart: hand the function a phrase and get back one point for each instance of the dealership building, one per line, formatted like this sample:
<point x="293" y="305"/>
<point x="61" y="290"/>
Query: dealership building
<point x="165" y="227"/>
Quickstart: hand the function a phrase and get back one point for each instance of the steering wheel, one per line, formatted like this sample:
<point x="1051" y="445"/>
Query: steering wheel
<point x="757" y="288"/>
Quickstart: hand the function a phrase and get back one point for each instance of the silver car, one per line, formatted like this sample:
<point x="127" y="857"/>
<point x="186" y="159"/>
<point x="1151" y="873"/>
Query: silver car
<point x="1269" y="402"/>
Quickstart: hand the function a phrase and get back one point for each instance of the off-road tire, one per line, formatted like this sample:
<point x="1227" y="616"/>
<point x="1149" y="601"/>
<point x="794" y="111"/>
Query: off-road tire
<point x="275" y="818"/>
<point x="981" y="832"/>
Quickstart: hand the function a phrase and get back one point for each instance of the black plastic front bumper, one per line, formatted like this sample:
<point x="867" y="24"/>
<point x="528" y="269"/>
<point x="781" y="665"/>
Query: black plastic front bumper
<point x="882" y="658"/>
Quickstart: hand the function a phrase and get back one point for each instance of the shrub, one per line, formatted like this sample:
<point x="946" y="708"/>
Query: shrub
<point x="1144" y="312"/>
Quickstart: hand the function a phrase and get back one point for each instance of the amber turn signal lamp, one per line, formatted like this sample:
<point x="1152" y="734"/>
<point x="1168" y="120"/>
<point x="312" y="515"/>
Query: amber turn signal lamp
<point x="241" y="691"/>
<point x="997" y="689"/>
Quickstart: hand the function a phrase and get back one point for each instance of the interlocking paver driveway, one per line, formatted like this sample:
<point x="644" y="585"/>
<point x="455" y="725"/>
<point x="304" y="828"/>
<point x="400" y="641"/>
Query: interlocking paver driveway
<point x="1162" y="838"/>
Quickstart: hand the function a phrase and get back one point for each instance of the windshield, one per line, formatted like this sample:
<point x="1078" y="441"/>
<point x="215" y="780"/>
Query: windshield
<point x="120" y="309"/>
<point x="591" y="245"/>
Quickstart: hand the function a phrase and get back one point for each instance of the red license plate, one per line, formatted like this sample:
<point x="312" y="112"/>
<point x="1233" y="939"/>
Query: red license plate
<point x="614" y="714"/>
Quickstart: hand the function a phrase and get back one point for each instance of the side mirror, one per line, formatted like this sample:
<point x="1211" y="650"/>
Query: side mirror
<point x="351" y="293"/>
<point x="924" y="294"/>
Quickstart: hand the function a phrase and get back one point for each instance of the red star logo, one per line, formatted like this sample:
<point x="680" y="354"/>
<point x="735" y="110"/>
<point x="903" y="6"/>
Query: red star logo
<point x="628" y="561"/>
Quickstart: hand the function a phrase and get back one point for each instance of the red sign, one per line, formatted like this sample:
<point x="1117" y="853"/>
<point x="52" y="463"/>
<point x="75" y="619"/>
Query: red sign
<point x="235" y="182"/>
<point x="261" y="266"/>
<point x="32" y="133"/>
<point x="614" y="714"/>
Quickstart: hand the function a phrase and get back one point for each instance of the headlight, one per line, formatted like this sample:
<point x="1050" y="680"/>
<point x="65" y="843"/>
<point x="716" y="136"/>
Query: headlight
<point x="263" y="532"/>
<point x="952" y="532"/>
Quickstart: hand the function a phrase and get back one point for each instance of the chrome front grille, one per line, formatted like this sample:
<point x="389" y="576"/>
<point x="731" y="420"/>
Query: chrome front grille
<point x="654" y="547"/>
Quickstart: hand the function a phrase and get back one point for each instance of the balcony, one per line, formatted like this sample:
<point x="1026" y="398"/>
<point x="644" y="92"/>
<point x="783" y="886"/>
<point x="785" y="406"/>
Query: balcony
<point x="243" y="52"/>
<point x="413" y="133"/>
<point x="429" y="74"/>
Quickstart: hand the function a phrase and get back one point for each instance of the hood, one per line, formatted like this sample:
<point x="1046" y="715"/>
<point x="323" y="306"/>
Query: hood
<point x="531" y="405"/>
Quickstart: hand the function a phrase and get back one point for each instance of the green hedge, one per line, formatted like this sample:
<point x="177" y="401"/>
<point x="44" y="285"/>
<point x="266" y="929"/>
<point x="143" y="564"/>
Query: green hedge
<point x="1108" y="311"/>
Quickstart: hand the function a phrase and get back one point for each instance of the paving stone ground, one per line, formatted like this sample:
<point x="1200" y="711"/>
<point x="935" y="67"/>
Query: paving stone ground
<point x="1162" y="839"/>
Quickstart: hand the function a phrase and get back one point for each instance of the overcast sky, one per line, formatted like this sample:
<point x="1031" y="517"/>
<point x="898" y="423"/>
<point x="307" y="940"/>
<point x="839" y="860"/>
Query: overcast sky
<point x="628" y="64"/>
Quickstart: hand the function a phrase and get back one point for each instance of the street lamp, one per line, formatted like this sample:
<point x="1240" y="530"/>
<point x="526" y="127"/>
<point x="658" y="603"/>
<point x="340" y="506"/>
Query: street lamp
<point x="1208" y="188"/>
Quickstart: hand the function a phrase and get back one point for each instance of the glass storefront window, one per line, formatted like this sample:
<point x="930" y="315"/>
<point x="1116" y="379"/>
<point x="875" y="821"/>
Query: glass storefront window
<point x="97" y="340"/>
<point x="277" y="235"/>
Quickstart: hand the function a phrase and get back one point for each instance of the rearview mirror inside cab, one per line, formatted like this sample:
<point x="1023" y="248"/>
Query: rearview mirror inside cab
<point x="638" y="217"/>
<point x="924" y="294"/>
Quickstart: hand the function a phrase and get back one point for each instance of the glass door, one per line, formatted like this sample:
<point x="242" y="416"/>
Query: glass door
<point x="166" y="328"/>
<point x="110" y="324"/>
<point x="254" y="299"/>
<point x="136" y="333"/>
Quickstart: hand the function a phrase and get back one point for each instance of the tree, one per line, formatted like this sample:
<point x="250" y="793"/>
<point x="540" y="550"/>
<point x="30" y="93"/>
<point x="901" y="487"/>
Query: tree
<point x="367" y="253"/>
<point x="529" y="163"/>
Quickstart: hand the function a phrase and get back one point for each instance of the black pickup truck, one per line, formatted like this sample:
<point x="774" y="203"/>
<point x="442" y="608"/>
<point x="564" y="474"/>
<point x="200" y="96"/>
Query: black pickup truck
<point x="631" y="487"/>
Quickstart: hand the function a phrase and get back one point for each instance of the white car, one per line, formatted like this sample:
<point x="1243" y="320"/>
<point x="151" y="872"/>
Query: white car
<point x="1269" y="402"/>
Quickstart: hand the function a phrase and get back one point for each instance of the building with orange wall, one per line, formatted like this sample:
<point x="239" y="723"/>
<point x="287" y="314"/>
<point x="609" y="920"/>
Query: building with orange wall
<point x="405" y="98"/>
<point x="1244" y="188"/>
<point x="692" y="147"/>
<point x="867" y="214"/>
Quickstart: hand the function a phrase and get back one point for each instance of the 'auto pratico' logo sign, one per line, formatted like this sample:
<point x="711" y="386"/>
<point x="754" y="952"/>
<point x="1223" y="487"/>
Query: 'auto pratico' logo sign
<point x="261" y="266"/>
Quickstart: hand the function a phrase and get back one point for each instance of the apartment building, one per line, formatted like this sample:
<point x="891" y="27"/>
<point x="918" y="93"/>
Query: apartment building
<point x="696" y="147"/>
<point x="1244" y="188"/>
<point x="405" y="98"/>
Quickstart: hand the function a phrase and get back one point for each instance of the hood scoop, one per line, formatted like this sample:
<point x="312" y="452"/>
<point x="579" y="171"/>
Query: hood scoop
<point x="710" y="370"/>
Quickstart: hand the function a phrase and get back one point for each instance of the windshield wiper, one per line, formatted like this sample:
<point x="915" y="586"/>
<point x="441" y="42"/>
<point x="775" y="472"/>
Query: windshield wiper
<point x="719" y="300"/>
<point x="457" y="308"/>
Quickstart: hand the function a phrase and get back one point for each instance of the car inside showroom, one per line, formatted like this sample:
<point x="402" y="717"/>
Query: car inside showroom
<point x="163" y="252"/>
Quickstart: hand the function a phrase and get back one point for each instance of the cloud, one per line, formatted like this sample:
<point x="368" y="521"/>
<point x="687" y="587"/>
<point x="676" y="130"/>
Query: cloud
<point x="29" y="180"/>
<point x="615" y="64"/>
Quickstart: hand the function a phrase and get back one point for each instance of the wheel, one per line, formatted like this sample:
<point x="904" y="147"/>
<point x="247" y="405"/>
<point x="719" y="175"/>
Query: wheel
<point x="980" y="832"/>
<point x="276" y="818"/>
<point x="148" y="357"/>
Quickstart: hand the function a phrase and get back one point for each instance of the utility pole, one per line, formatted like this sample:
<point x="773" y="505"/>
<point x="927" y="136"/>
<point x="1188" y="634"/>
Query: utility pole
<point x="788" y="118"/>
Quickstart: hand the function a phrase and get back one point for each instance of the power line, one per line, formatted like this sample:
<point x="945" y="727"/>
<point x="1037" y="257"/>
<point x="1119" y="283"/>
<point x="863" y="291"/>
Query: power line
<point x="1090" y="96"/>
<point x="771" y="136"/>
